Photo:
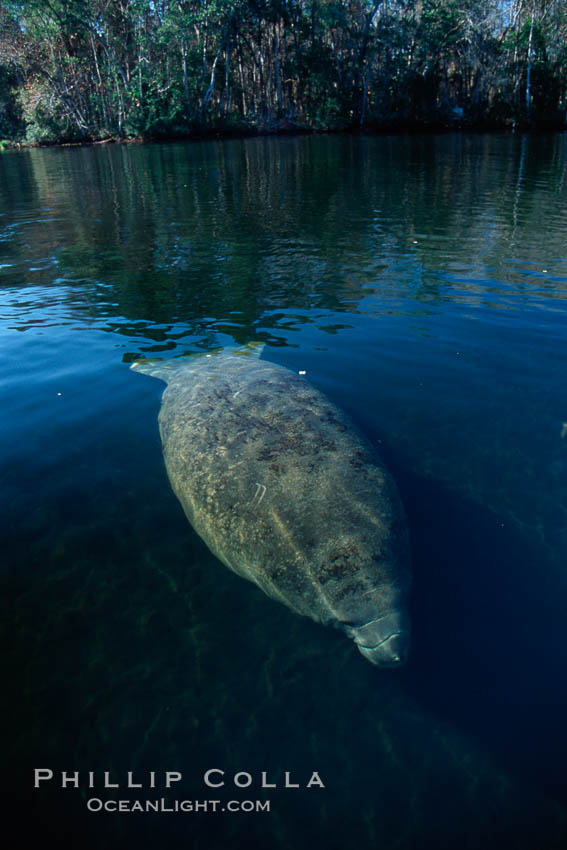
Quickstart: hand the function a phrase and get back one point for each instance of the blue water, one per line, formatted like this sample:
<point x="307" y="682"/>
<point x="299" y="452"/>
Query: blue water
<point x="421" y="283"/>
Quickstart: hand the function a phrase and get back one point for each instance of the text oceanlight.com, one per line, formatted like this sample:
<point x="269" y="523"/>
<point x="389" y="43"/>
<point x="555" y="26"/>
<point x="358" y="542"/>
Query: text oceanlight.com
<point x="95" y="804"/>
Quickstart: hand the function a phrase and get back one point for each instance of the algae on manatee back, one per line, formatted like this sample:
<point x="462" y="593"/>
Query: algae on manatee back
<point x="285" y="491"/>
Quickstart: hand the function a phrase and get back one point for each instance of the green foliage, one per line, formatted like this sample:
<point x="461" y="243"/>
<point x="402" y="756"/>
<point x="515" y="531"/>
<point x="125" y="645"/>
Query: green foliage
<point x="45" y="126"/>
<point x="88" y="69"/>
<point x="11" y="126"/>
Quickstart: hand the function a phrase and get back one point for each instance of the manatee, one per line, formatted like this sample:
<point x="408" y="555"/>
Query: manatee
<point x="287" y="493"/>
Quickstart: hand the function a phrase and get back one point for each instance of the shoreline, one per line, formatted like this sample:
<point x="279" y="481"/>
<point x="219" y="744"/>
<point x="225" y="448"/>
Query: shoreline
<point x="220" y="134"/>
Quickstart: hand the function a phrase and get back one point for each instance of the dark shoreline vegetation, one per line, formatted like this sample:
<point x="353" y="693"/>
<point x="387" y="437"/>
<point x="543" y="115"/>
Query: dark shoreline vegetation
<point x="79" y="71"/>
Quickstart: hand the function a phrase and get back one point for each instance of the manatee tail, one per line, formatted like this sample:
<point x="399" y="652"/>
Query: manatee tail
<point x="164" y="369"/>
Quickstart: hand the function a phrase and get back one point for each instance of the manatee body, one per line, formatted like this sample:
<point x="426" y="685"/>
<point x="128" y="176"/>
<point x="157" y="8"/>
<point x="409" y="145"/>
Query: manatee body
<point x="285" y="491"/>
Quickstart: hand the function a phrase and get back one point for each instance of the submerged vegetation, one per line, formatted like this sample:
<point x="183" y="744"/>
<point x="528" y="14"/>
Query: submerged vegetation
<point x="83" y="70"/>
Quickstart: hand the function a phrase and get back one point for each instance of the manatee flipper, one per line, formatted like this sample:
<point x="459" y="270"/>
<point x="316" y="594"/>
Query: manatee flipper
<point x="165" y="369"/>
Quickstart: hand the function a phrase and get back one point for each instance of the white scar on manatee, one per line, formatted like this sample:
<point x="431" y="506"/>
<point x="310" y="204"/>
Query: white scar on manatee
<point x="285" y="531"/>
<point x="260" y="488"/>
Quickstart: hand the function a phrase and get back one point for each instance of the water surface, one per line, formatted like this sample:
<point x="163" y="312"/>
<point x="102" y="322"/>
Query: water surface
<point x="421" y="282"/>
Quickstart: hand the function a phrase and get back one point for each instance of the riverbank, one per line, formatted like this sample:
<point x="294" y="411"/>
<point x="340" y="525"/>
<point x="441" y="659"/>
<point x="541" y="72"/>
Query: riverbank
<point x="286" y="128"/>
<point x="163" y="71"/>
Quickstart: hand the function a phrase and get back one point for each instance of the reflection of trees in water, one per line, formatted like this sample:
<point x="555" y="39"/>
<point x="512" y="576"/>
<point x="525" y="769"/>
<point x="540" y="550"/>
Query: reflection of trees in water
<point x="209" y="237"/>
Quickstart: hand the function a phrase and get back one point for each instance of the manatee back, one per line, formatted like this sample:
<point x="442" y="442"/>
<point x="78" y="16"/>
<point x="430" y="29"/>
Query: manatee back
<point x="283" y="489"/>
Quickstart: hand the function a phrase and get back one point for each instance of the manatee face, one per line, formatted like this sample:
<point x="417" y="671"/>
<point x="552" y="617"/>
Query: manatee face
<point x="384" y="641"/>
<point x="371" y="600"/>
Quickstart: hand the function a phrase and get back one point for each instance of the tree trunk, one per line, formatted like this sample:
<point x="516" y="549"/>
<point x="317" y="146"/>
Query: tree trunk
<point x="185" y="79"/>
<point x="227" y="55"/>
<point x="277" y="69"/>
<point x="241" y="77"/>
<point x="209" y="92"/>
<point x="530" y="61"/>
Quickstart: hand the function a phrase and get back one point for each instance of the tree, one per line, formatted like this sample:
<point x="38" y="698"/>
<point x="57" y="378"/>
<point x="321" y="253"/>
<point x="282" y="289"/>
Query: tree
<point x="88" y="69"/>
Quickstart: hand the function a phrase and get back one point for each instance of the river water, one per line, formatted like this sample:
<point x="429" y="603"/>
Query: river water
<point x="421" y="283"/>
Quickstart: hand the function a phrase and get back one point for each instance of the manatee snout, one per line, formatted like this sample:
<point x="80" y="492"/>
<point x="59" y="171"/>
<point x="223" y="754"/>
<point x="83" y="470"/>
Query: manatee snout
<point x="385" y="640"/>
